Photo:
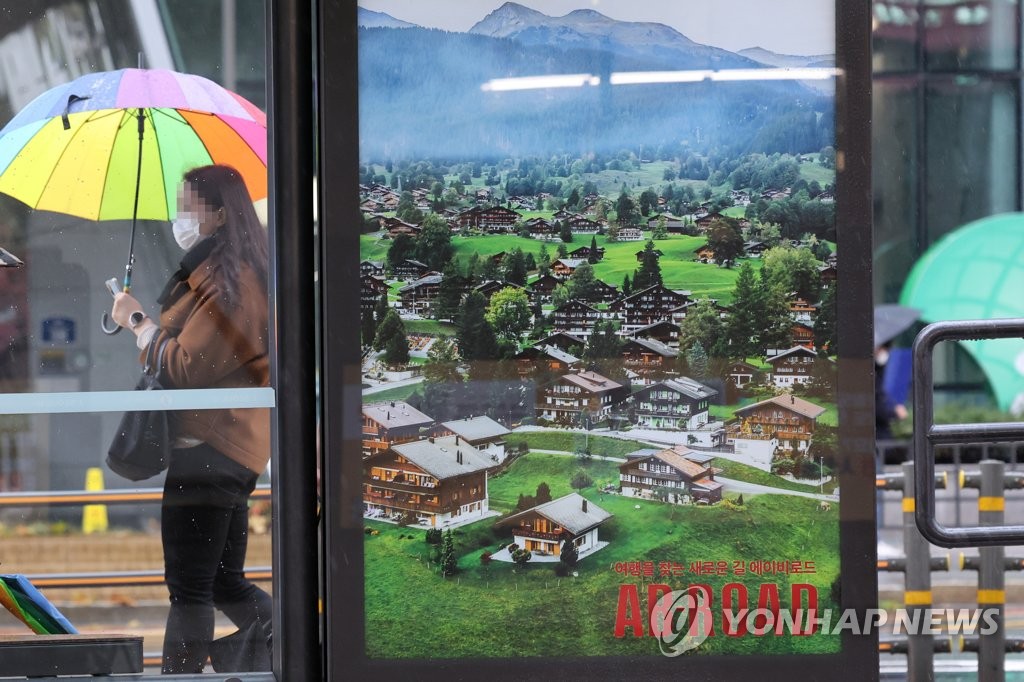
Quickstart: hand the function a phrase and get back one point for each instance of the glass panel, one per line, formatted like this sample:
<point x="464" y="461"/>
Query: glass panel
<point x="67" y="199"/>
<point x="895" y="31"/>
<point x="972" y="139"/>
<point x="582" y="234"/>
<point x="895" y="175"/>
<point x="962" y="36"/>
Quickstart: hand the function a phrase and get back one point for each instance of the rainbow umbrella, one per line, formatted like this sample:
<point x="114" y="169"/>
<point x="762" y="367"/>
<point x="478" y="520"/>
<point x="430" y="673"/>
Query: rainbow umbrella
<point x="21" y="598"/>
<point x="114" y="145"/>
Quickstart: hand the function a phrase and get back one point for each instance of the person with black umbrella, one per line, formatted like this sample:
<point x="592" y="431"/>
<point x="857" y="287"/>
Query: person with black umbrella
<point x="891" y="320"/>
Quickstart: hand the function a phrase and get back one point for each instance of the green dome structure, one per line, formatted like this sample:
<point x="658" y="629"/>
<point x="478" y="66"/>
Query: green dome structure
<point x="976" y="272"/>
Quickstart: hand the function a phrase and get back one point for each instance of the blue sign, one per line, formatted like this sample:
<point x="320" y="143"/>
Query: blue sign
<point x="59" y="330"/>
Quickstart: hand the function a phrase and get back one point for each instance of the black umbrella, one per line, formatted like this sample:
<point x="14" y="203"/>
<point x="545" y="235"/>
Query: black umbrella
<point x="891" y="320"/>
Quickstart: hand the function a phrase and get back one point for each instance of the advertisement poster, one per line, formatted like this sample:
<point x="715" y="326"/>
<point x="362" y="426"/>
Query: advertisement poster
<point x="598" y="296"/>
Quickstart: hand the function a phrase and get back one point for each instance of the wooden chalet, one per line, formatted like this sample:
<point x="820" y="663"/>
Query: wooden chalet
<point x="754" y="248"/>
<point x="496" y="219"/>
<point x="740" y="373"/>
<point x="576" y="318"/>
<point x="410" y="270"/>
<point x="640" y="254"/>
<point x="564" y="340"/>
<point x="793" y="366"/>
<point x="543" y="529"/>
<point x="803" y="335"/>
<point x="483" y="433"/>
<point x="828" y="275"/>
<point x="390" y="422"/>
<point x="562" y="214"/>
<point x="492" y="286"/>
<point x="394" y="227"/>
<point x="545" y="358"/>
<point x="651" y="361"/>
<point x="581" y="225"/>
<point x="675" y="475"/>
<point x="704" y="253"/>
<point x="606" y="293"/>
<point x="419" y="296"/>
<point x="568" y="397"/>
<point x="802" y="311"/>
<point x="372" y="267"/>
<point x="648" y="306"/>
<point x="541" y="228"/>
<point x="677" y="403"/>
<point x="630" y="234"/>
<point x="434" y="482"/>
<point x="672" y="223"/>
<point x="564" y="267"/>
<point x="370" y="289"/>
<point x="584" y="253"/>
<point x="704" y="222"/>
<point x="664" y="331"/>
<point x="543" y="287"/>
<point x="784" y="421"/>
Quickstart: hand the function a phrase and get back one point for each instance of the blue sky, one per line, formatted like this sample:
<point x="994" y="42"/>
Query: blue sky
<point x="802" y="27"/>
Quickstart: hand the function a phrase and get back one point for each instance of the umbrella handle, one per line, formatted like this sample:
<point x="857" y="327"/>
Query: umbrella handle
<point x="109" y="331"/>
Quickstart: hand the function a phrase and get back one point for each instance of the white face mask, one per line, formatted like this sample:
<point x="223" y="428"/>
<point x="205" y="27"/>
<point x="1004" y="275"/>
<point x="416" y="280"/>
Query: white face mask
<point x="186" y="231"/>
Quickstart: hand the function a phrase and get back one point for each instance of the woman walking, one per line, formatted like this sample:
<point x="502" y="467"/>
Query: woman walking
<point x="213" y="326"/>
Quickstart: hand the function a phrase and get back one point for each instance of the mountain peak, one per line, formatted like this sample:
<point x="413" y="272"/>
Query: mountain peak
<point x="370" y="19"/>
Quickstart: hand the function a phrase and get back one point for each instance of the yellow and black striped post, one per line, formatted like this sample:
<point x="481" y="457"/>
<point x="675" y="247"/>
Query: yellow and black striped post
<point x="917" y="590"/>
<point x="991" y="579"/>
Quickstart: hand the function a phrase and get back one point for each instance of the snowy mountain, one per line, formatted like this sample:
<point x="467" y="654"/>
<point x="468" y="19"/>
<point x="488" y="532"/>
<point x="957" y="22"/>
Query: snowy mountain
<point x="585" y="28"/>
<point x="769" y="58"/>
<point x="370" y="19"/>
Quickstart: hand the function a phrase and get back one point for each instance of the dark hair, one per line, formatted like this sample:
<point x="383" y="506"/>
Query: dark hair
<point x="241" y="239"/>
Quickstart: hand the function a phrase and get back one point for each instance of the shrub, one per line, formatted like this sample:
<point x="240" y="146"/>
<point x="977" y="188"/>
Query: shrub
<point x="485" y="558"/>
<point x="561" y="570"/>
<point x="433" y="536"/>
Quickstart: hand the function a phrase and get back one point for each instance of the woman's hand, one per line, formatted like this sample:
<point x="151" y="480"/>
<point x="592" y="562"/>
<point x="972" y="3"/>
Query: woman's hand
<point x="124" y="306"/>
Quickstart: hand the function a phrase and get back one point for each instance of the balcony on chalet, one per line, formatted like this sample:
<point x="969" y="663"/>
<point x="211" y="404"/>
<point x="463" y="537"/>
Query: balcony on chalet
<point x="401" y="502"/>
<point x="527" y="532"/>
<point x="663" y="410"/>
<point x="639" y="475"/>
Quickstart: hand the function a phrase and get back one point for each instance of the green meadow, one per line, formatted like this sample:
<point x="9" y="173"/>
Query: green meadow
<point x="679" y="270"/>
<point x="499" y="610"/>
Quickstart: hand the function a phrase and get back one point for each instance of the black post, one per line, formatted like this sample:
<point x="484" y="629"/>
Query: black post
<point x="293" y="343"/>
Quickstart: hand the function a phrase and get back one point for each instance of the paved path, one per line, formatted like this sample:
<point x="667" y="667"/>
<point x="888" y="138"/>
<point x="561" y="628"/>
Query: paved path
<point x="392" y="384"/>
<point x="731" y="484"/>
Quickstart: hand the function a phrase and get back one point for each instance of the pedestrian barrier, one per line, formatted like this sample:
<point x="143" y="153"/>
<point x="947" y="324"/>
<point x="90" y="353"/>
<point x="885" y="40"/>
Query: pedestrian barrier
<point x="991" y="645"/>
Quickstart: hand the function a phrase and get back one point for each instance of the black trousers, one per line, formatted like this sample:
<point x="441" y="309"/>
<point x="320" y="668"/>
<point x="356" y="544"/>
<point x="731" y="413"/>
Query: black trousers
<point x="204" y="526"/>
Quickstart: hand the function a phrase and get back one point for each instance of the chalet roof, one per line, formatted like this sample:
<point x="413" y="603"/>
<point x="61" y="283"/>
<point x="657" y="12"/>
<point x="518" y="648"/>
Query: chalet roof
<point x="636" y="294"/>
<point x="790" y="402"/>
<point x="706" y="484"/>
<point x="572" y="339"/>
<point x="567" y="512"/>
<point x="571" y="262"/>
<point x="592" y="381"/>
<point x="395" y="413"/>
<point x="684" y="385"/>
<point x="476" y="429"/>
<point x="576" y="303"/>
<point x="677" y="459"/>
<point x="554" y="352"/>
<point x="374" y="263"/>
<point x="652" y="327"/>
<point x="653" y="346"/>
<point x="743" y="364"/>
<point x="439" y="457"/>
<point x="795" y="350"/>
<point x="422" y="281"/>
<point x="410" y="261"/>
<point x="700" y="457"/>
<point x="643" y="452"/>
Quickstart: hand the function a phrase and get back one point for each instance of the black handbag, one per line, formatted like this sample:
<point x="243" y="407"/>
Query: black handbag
<point x="141" y="447"/>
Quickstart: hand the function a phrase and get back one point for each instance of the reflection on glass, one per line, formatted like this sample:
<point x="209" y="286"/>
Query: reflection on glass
<point x="73" y="230"/>
<point x="598" y="289"/>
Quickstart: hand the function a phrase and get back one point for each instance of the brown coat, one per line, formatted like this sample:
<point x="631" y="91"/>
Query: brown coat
<point x="217" y="345"/>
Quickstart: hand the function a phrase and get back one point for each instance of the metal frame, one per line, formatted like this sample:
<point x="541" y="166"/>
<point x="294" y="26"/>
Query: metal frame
<point x="344" y="641"/>
<point x="927" y="434"/>
<point x="292" y="346"/>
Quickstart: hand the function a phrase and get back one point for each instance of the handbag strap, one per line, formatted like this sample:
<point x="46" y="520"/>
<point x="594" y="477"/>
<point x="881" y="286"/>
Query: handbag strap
<point x="158" y="359"/>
